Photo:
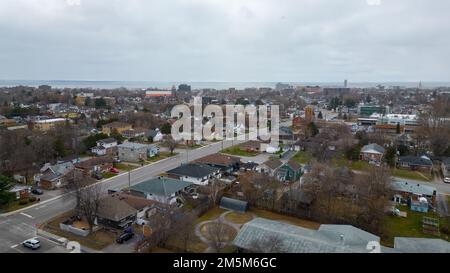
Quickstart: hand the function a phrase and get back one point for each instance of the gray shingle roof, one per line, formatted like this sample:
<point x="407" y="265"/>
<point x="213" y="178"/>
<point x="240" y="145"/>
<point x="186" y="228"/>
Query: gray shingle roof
<point x="161" y="186"/>
<point x="421" y="245"/>
<point x="113" y="208"/>
<point x="233" y="204"/>
<point x="373" y="148"/>
<point x="414" y="188"/>
<point x="294" y="239"/>
<point x="416" y="160"/>
<point x="193" y="170"/>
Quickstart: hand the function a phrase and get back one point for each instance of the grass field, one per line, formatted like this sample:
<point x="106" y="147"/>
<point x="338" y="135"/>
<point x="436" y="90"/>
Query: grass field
<point x="161" y="156"/>
<point x="411" y="226"/>
<point x="236" y="150"/>
<point x="302" y="157"/>
<point x="108" y="175"/>
<point x="15" y="205"/>
<point x="239" y="218"/>
<point x="124" y="167"/>
<point x="210" y="214"/>
<point x="410" y="175"/>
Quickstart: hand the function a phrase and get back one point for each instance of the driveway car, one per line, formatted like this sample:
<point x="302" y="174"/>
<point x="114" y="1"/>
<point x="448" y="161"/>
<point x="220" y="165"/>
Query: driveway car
<point x="37" y="192"/>
<point x="124" y="237"/>
<point x="447" y="180"/>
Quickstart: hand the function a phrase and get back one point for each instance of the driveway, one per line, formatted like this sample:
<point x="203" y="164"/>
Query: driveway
<point x="442" y="205"/>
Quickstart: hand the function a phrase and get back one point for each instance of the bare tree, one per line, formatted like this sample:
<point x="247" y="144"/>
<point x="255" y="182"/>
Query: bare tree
<point x="183" y="229"/>
<point x="170" y="143"/>
<point x="89" y="203"/>
<point x="217" y="235"/>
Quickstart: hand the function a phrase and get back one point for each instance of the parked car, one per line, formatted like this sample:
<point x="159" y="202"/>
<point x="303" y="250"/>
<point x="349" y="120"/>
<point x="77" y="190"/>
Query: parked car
<point x="37" y="191"/>
<point x="447" y="180"/>
<point x="98" y="176"/>
<point x="114" y="170"/>
<point x="32" y="243"/>
<point x="124" y="237"/>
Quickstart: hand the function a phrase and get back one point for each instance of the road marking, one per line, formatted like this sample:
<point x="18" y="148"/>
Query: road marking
<point x="27" y="215"/>
<point x="14" y="246"/>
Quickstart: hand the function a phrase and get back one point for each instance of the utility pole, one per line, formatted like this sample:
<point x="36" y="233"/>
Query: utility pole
<point x="129" y="179"/>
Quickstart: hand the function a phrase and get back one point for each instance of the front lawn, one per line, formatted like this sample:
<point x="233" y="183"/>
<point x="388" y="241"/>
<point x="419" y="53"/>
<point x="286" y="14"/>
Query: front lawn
<point x="411" y="175"/>
<point x="239" y="218"/>
<point x="302" y="157"/>
<point x="124" y="167"/>
<point x="236" y="150"/>
<point x="18" y="204"/>
<point x="161" y="156"/>
<point x="411" y="226"/>
<point x="108" y="175"/>
<point x="359" y="165"/>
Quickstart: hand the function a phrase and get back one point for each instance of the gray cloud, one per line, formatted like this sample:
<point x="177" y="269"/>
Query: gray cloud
<point x="225" y="40"/>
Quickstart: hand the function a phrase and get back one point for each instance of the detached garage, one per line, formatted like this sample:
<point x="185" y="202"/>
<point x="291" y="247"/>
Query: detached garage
<point x="234" y="204"/>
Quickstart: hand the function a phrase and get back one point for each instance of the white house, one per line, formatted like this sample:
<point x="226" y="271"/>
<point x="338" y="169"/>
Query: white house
<point x="104" y="146"/>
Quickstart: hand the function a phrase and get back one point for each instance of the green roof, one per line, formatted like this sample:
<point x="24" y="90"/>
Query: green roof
<point x="161" y="186"/>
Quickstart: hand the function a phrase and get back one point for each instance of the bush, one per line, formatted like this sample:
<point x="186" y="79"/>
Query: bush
<point x="445" y="230"/>
<point x="32" y="199"/>
<point x="23" y="202"/>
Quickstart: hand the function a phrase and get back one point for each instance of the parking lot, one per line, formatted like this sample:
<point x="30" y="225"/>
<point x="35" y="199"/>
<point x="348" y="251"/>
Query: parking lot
<point x="47" y="246"/>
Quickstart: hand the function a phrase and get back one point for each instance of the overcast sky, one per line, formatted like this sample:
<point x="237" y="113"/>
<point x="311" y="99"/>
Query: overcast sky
<point x="225" y="40"/>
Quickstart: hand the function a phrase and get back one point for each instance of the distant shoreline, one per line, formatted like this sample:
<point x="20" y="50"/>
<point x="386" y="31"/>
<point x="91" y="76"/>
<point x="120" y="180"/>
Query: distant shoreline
<point x="204" y="85"/>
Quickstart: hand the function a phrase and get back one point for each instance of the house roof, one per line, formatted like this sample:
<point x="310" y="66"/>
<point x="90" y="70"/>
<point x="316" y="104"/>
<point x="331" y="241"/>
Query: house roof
<point x="133" y="145"/>
<point x="219" y="160"/>
<point x="60" y="168"/>
<point x="161" y="186"/>
<point x="193" y="170"/>
<point x="295" y="239"/>
<point x="421" y="245"/>
<point x="416" y="160"/>
<point x="273" y="163"/>
<point x="233" y="204"/>
<point x="294" y="165"/>
<point x="112" y="208"/>
<point x="135" y="201"/>
<point x="107" y="141"/>
<point x="414" y="188"/>
<point x="116" y="124"/>
<point x="373" y="149"/>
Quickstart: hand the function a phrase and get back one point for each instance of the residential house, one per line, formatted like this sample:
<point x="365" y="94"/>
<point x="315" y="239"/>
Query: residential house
<point x="411" y="194"/>
<point x="105" y="146"/>
<point x="226" y="163"/>
<point x="372" y="153"/>
<point x="95" y="165"/>
<point x="113" y="212"/>
<point x="162" y="189"/>
<point x="415" y="163"/>
<point x="199" y="174"/>
<point x="249" y="166"/>
<point x="134" y="133"/>
<point x="445" y="166"/>
<point x="154" y="135"/>
<point x="55" y="176"/>
<point x="270" y="167"/>
<point x="48" y="124"/>
<point x="20" y="191"/>
<point x="136" y="152"/>
<point x="389" y="129"/>
<point x="286" y="136"/>
<point x="120" y="127"/>
<point x="290" y="171"/>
